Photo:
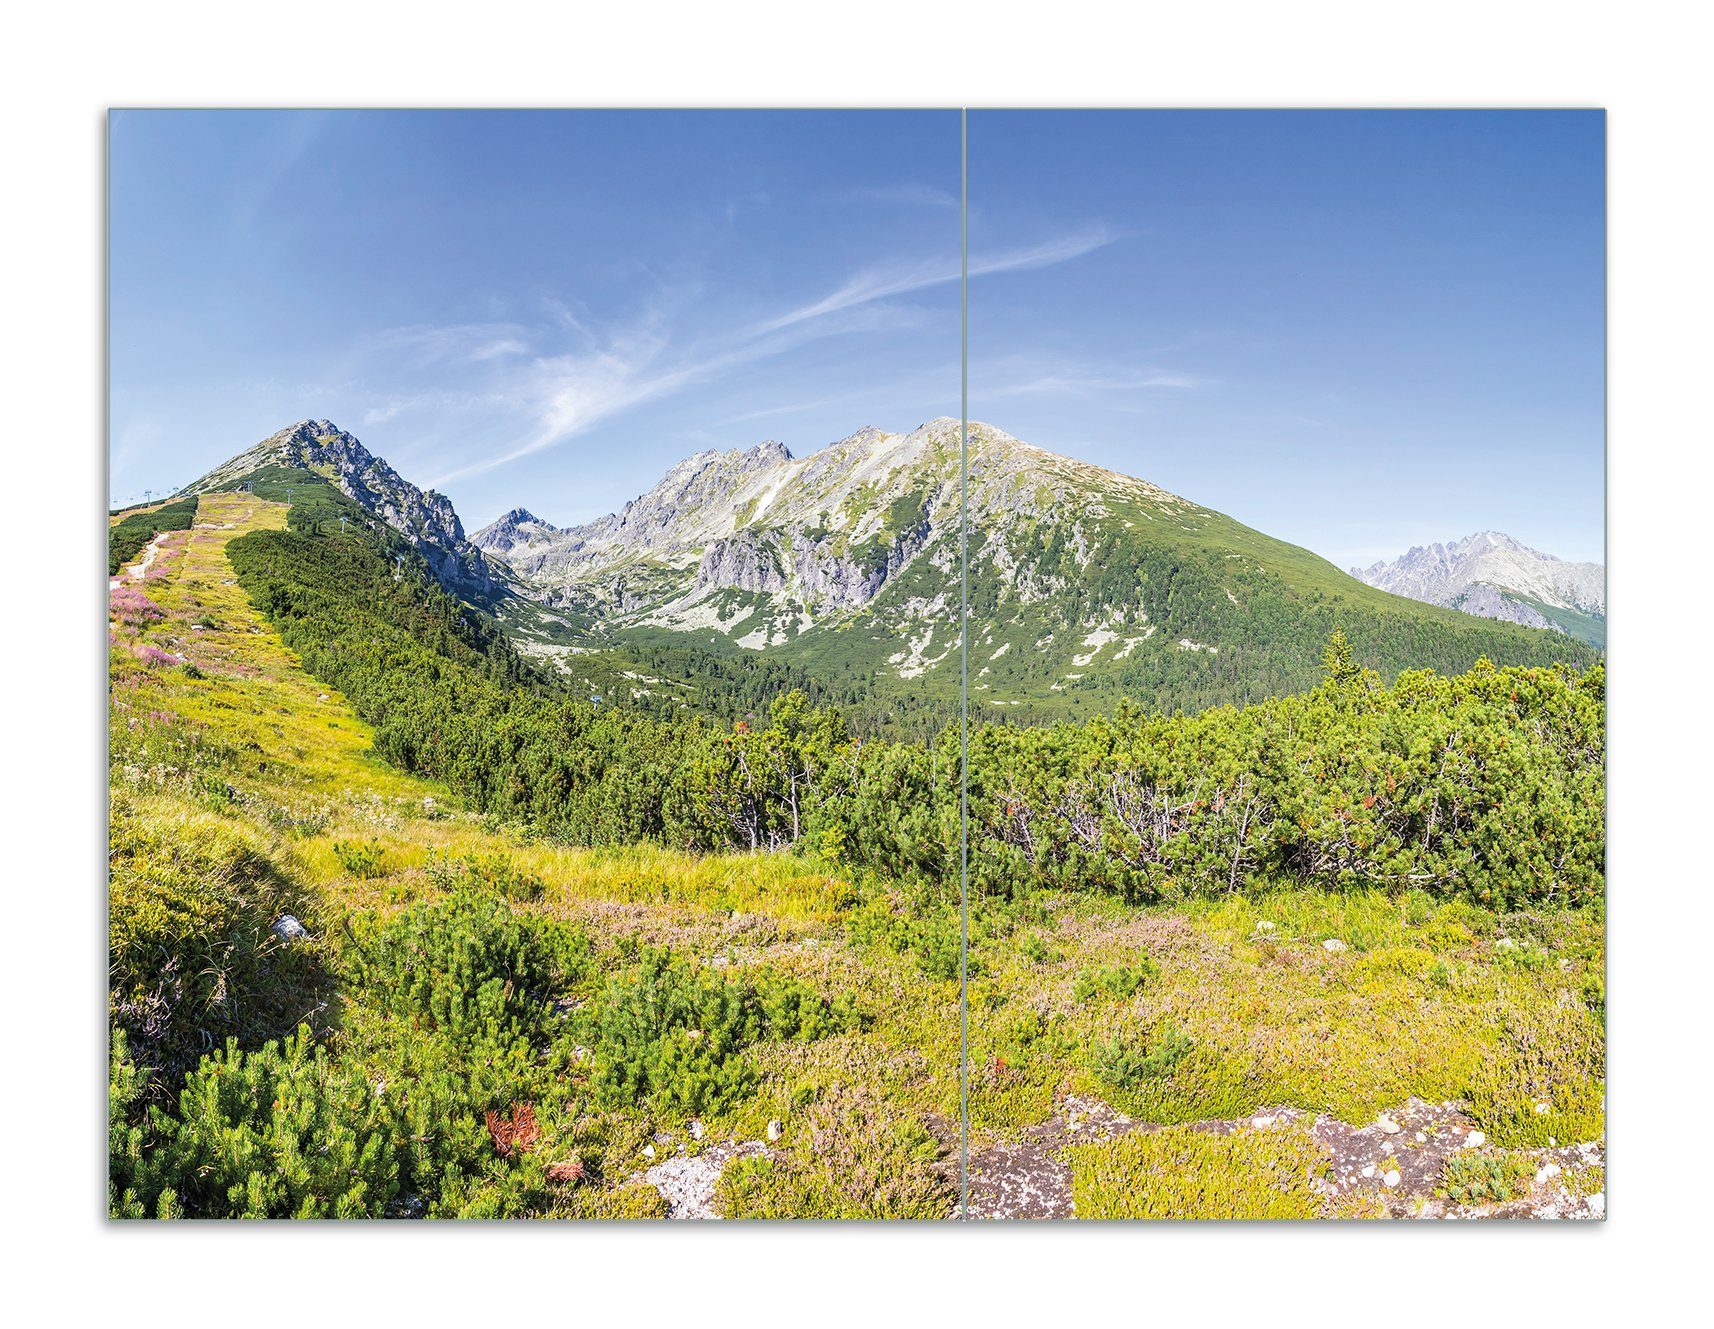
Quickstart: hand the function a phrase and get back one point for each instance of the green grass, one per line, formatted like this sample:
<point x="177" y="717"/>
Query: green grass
<point x="1421" y="1001"/>
<point x="1179" y="1172"/>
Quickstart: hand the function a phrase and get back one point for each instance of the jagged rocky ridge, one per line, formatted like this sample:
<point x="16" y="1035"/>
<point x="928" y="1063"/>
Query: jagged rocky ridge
<point x="426" y="518"/>
<point x="818" y="536"/>
<point x="1492" y="575"/>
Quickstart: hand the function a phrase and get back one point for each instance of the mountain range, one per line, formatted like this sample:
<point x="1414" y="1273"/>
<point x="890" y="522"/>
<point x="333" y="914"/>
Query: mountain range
<point x="1085" y="585"/>
<point x="1496" y="576"/>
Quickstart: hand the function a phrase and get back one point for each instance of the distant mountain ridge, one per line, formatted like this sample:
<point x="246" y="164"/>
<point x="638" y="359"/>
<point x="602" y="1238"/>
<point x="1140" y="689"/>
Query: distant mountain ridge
<point x="1084" y="581"/>
<point x="1493" y="575"/>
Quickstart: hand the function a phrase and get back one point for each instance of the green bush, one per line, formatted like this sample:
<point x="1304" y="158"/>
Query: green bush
<point x="446" y="1019"/>
<point x="1126" y="1063"/>
<point x="671" y="1036"/>
<point x="277" y="1133"/>
<point x="1117" y="981"/>
<point x="360" y="859"/>
<point x="468" y="966"/>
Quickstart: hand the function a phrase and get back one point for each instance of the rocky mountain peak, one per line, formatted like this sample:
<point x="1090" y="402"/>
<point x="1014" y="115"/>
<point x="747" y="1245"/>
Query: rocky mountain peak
<point x="1495" y="575"/>
<point x="427" y="519"/>
<point x="511" y="530"/>
<point x="768" y="452"/>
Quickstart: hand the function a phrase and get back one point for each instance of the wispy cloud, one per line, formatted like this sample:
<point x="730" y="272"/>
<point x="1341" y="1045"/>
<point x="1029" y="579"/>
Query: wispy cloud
<point x="1077" y="378"/>
<point x="567" y="394"/>
<point x="438" y="344"/>
<point x="882" y="282"/>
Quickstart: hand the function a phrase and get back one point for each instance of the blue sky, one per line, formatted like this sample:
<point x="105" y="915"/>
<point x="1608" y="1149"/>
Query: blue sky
<point x="1357" y="331"/>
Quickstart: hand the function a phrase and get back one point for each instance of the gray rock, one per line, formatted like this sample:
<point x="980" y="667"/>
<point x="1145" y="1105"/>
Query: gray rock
<point x="287" y="928"/>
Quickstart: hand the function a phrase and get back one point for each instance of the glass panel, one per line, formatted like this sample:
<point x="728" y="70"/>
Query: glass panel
<point x="534" y="608"/>
<point x="1268" y="919"/>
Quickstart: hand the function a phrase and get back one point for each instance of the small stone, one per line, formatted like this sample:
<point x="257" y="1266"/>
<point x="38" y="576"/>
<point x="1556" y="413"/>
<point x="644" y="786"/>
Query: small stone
<point x="323" y="696"/>
<point x="1597" y="1204"/>
<point x="1333" y="945"/>
<point x="287" y="928"/>
<point x="1505" y="944"/>
<point x="1552" y="1143"/>
<point x="1542" y="1109"/>
<point x="1475" y="1140"/>
<point x="1546" y="1173"/>
<point x="1391" y="1179"/>
<point x="776" y="1128"/>
<point x="1369" y="1171"/>
<point x="696" y="1130"/>
<point x="1262" y="925"/>
<point x="1388" y="1125"/>
<point x="1421" y="1138"/>
<point x="649" y="1152"/>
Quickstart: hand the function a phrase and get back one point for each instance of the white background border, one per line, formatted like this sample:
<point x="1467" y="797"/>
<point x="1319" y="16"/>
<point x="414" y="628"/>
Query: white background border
<point x="1644" y="62"/>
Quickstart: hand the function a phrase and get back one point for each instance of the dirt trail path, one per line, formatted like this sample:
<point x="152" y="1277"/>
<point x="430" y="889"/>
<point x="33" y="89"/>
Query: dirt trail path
<point x="141" y="566"/>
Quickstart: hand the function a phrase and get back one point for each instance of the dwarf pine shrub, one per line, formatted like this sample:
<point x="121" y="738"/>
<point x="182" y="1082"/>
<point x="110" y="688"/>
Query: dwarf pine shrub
<point x="1127" y="1063"/>
<point x="670" y="1035"/>
<point x="281" y="1132"/>
<point x="360" y="859"/>
<point x="1117" y="981"/>
<point x="467" y="965"/>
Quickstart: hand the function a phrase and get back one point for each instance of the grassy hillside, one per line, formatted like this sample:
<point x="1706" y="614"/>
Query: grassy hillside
<point x="243" y="787"/>
<point x="490" y="1026"/>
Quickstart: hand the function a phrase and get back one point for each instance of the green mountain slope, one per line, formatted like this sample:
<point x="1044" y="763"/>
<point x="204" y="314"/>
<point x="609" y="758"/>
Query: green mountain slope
<point x="1086" y="585"/>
